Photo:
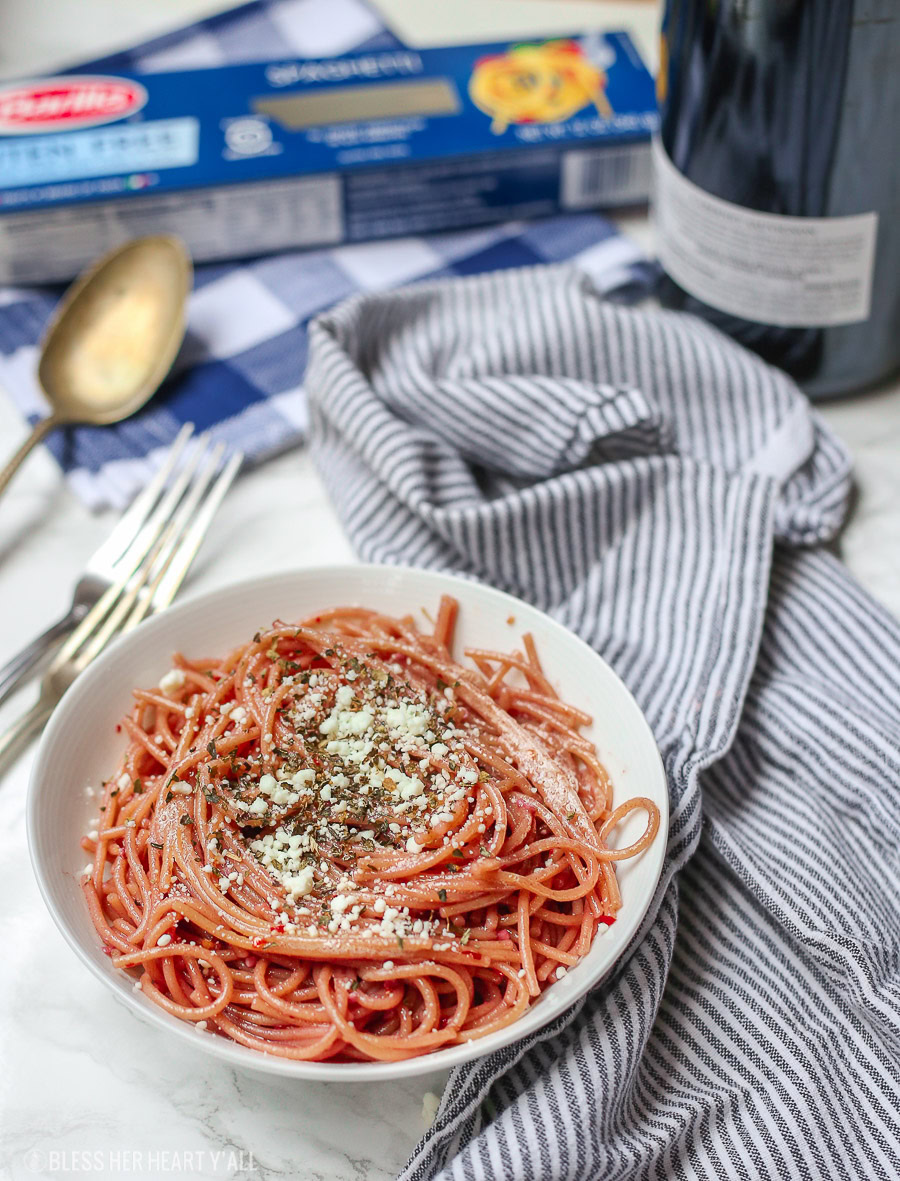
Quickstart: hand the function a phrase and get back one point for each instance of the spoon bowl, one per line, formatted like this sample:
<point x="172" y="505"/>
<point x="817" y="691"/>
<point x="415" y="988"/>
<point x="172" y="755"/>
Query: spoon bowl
<point x="113" y="338"/>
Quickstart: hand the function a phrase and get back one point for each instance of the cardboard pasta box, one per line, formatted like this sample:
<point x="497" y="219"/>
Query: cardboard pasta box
<point x="248" y="159"/>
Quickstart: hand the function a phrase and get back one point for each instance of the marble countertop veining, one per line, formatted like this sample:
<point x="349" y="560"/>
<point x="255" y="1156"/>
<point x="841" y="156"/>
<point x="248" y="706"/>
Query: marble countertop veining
<point x="82" y="1078"/>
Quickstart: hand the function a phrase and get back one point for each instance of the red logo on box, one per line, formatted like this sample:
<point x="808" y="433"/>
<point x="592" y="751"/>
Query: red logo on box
<point x="65" y="103"/>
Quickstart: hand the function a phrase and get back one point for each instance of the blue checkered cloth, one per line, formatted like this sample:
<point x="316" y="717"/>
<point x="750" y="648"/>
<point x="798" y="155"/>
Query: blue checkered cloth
<point x="240" y="372"/>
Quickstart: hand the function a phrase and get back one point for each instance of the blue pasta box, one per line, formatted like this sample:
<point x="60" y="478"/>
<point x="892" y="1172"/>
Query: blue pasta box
<point x="248" y="159"/>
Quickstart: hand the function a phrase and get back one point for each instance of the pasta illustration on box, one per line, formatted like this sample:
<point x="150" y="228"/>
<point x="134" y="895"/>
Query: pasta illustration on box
<point x="538" y="83"/>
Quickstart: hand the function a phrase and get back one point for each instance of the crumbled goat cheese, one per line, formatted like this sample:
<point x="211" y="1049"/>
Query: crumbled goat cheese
<point x="174" y="679"/>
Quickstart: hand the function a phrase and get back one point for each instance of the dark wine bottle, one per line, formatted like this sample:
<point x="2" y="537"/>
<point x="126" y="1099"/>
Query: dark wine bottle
<point x="777" y="188"/>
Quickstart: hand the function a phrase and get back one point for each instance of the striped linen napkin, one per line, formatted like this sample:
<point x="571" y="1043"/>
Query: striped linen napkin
<point x="666" y="495"/>
<point x="240" y="373"/>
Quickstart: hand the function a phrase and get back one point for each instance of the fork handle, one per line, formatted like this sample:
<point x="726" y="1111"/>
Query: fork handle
<point x="12" y="741"/>
<point x="18" y="668"/>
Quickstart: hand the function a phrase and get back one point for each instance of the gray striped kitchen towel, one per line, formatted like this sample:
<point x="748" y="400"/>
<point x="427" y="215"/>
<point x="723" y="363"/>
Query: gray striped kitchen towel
<point x="665" y="495"/>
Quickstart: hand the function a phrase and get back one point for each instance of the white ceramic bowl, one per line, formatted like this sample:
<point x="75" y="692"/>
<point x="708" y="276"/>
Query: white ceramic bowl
<point x="80" y="747"/>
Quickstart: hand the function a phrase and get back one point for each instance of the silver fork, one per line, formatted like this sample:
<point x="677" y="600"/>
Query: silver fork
<point x="148" y="573"/>
<point x="104" y="567"/>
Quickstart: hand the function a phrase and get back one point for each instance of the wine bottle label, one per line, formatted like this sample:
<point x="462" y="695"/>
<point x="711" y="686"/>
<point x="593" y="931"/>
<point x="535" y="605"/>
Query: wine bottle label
<point x="796" y="272"/>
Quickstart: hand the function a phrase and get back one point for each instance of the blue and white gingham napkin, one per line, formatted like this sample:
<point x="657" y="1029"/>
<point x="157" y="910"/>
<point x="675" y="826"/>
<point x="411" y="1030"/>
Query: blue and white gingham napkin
<point x="241" y="370"/>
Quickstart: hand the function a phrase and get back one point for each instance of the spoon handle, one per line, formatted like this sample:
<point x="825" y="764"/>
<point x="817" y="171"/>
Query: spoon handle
<point x="44" y="427"/>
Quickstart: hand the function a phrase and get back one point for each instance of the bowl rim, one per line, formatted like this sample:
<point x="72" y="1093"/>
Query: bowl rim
<point x="535" y="1018"/>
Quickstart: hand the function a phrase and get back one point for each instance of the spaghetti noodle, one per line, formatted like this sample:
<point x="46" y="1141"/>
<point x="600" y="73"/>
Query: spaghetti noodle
<point x="339" y="843"/>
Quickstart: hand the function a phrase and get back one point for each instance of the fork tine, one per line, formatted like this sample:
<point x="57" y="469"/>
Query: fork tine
<point x="102" y="568"/>
<point x="172" y="578"/>
<point x="170" y="542"/>
<point x="166" y="566"/>
<point x="148" y="536"/>
<point x="165" y="510"/>
<point x="129" y="590"/>
<point x="134" y="597"/>
<point x="131" y="521"/>
<point x="158" y="572"/>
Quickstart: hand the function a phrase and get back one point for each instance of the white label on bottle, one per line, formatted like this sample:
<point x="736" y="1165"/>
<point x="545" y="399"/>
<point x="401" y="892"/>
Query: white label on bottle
<point x="798" y="272"/>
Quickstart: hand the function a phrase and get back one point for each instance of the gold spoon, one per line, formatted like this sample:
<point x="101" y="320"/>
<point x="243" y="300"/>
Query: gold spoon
<point x="113" y="338"/>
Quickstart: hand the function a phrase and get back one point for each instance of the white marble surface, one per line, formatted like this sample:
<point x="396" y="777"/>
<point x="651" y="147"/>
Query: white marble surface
<point x="82" y="1078"/>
